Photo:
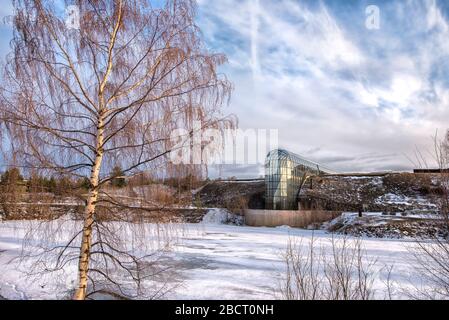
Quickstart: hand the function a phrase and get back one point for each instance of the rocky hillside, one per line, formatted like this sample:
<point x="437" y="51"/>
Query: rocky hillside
<point x="233" y="195"/>
<point x="391" y="192"/>
<point x="388" y="193"/>
<point x="383" y="225"/>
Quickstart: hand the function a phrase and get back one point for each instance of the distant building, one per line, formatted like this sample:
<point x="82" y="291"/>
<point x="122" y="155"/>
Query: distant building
<point x="285" y="173"/>
<point x="431" y="171"/>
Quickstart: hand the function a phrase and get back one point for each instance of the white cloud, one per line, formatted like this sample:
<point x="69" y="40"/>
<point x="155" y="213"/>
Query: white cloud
<point x="327" y="86"/>
<point x="402" y="91"/>
<point x="435" y="19"/>
<point x="312" y="36"/>
<point x="361" y="100"/>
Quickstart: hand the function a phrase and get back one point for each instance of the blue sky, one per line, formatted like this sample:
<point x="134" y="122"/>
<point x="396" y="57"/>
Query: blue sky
<point x="339" y="93"/>
<point x="353" y="98"/>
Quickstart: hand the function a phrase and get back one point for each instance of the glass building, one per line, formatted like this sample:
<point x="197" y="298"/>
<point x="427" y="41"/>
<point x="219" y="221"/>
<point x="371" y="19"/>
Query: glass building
<point x="285" y="172"/>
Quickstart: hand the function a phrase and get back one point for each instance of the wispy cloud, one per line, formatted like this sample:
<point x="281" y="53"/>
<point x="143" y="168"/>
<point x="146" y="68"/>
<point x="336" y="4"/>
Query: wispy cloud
<point x="339" y="93"/>
<point x="361" y="99"/>
<point x="254" y="10"/>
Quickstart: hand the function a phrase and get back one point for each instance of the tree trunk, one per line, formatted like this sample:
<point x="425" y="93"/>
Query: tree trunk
<point x="89" y="212"/>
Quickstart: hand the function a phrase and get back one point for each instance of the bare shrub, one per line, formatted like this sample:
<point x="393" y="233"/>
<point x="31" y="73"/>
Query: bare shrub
<point x="237" y="205"/>
<point x="302" y="277"/>
<point x="314" y="274"/>
<point x="432" y="256"/>
<point x="154" y="195"/>
<point x="389" y="283"/>
<point x="441" y="147"/>
<point x="163" y="196"/>
<point x="349" y="273"/>
<point x="432" y="264"/>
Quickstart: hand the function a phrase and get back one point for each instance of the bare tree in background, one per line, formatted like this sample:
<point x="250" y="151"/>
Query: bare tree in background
<point x="77" y="101"/>
<point x="441" y="150"/>
<point x="10" y="191"/>
<point x="440" y="156"/>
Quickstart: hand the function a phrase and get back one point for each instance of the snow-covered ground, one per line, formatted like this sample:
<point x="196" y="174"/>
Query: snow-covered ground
<point x="215" y="261"/>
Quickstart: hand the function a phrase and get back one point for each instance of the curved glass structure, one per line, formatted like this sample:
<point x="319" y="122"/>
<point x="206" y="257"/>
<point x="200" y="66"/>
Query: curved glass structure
<point x="285" y="172"/>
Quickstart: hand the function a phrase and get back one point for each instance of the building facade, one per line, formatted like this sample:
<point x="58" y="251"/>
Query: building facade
<point x="285" y="173"/>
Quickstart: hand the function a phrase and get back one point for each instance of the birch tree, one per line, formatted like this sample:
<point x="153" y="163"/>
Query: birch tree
<point x="78" y="98"/>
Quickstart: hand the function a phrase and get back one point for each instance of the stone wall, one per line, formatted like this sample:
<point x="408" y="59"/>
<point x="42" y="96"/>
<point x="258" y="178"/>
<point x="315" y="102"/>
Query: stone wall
<point x="298" y="219"/>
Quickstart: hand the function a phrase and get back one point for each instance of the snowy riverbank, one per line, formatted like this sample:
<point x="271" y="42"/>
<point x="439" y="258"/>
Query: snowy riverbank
<point x="214" y="261"/>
